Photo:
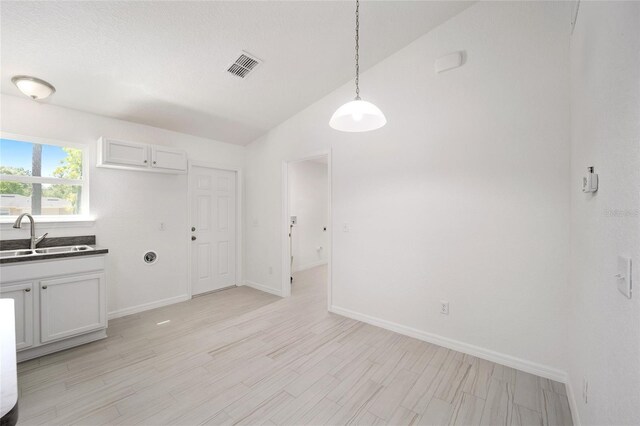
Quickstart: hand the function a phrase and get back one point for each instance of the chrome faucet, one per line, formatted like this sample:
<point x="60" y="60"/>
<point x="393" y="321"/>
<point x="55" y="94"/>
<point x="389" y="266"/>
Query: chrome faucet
<point x="34" y="240"/>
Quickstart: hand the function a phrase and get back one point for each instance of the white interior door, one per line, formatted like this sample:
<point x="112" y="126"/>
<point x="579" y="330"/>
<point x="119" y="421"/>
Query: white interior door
<point x="213" y="229"/>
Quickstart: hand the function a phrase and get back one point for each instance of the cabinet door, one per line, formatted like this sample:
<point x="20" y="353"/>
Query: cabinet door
<point x="22" y="295"/>
<point x="167" y="158"/>
<point x="125" y="153"/>
<point x="72" y="305"/>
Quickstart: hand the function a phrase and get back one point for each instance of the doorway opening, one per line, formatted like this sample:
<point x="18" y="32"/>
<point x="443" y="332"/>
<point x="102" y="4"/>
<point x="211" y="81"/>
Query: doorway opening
<point x="306" y="225"/>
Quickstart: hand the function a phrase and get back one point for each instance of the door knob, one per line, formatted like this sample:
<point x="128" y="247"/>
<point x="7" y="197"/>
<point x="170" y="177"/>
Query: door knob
<point x="193" y="238"/>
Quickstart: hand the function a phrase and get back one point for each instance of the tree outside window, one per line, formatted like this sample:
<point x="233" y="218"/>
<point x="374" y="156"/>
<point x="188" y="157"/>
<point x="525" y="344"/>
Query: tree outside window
<point x="40" y="179"/>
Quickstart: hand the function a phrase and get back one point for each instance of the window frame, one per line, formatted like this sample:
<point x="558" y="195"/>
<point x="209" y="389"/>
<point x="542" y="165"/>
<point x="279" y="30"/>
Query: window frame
<point x="84" y="216"/>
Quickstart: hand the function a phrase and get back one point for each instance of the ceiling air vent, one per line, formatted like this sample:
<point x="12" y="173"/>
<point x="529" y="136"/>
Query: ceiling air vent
<point x="244" y="65"/>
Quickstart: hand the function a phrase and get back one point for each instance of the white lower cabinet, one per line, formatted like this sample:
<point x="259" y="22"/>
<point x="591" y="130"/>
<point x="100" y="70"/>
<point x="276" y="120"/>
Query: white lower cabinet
<point x="58" y="303"/>
<point x="71" y="305"/>
<point x="22" y="295"/>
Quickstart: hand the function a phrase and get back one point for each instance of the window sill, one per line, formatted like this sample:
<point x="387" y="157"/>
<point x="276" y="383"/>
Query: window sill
<point x="52" y="221"/>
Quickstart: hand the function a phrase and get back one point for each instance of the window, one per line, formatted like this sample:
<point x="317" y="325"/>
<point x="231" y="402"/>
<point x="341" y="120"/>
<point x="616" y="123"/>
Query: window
<point x="41" y="177"/>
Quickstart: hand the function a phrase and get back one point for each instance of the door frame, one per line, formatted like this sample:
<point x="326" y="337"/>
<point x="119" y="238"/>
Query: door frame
<point x="286" y="255"/>
<point x="238" y="236"/>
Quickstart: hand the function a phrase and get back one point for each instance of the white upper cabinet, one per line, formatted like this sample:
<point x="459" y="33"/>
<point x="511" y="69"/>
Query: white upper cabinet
<point x="123" y="153"/>
<point x="168" y="158"/>
<point x="117" y="154"/>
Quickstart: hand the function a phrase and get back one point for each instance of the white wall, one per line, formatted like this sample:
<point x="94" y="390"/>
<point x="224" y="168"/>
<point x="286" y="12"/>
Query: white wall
<point x="604" y="326"/>
<point x="308" y="200"/>
<point x="129" y="206"/>
<point x="463" y="195"/>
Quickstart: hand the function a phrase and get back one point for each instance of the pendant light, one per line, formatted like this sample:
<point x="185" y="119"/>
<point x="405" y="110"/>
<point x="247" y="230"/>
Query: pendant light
<point x="357" y="115"/>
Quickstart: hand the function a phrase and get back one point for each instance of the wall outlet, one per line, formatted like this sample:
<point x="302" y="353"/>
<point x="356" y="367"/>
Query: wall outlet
<point x="444" y="307"/>
<point x="585" y="390"/>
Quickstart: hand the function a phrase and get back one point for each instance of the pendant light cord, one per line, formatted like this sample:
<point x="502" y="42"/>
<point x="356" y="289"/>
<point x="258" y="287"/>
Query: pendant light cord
<point x="357" y="50"/>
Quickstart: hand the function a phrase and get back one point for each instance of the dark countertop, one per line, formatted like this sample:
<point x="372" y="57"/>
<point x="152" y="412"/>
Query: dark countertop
<point x="87" y="240"/>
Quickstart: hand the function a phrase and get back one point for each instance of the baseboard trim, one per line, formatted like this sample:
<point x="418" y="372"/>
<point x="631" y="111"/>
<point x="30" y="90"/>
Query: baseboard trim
<point x="572" y="403"/>
<point x="263" y="288"/>
<point x="147" y="306"/>
<point x="310" y="265"/>
<point x="477" y="351"/>
<point x="60" y="345"/>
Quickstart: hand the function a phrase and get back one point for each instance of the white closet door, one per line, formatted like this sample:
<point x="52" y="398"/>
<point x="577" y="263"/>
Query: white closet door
<point x="213" y="232"/>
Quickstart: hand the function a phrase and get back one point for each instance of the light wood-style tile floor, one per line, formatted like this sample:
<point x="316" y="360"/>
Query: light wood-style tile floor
<point x="241" y="356"/>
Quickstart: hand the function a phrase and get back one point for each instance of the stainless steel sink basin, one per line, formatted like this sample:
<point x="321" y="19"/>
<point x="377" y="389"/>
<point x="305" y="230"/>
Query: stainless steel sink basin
<point x="15" y="253"/>
<point x="66" y="249"/>
<point x="43" y="251"/>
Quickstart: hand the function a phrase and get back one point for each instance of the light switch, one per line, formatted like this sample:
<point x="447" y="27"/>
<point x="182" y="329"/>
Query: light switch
<point x="623" y="277"/>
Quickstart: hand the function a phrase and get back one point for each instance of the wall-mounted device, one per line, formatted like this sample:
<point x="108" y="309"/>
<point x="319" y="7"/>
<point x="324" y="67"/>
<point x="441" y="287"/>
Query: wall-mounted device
<point x="449" y="62"/>
<point x="590" y="181"/>
<point x="623" y="277"/>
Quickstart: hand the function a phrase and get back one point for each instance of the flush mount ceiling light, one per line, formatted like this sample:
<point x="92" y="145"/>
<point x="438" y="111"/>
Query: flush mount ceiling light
<point x="33" y="87"/>
<point x="357" y="115"/>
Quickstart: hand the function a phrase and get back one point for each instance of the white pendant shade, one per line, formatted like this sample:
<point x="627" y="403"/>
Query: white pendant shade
<point x="357" y="116"/>
<point x="33" y="87"/>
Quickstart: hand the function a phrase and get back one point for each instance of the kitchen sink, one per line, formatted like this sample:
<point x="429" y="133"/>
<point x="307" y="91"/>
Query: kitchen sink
<point x="66" y="249"/>
<point x="15" y="253"/>
<point x="5" y="254"/>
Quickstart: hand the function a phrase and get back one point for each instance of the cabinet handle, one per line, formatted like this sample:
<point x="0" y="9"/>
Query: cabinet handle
<point x="154" y="162"/>
<point x="44" y="287"/>
<point x="27" y="290"/>
<point x="145" y="161"/>
<point x="193" y="229"/>
<point x="193" y="238"/>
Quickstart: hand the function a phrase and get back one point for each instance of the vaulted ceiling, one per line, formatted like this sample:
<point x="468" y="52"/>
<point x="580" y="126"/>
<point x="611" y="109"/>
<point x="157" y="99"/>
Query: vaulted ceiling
<point x="164" y="63"/>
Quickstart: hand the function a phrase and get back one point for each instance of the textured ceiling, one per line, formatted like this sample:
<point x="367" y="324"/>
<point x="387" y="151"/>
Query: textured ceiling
<point x="164" y="63"/>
